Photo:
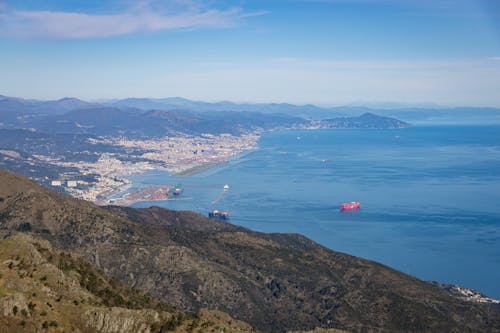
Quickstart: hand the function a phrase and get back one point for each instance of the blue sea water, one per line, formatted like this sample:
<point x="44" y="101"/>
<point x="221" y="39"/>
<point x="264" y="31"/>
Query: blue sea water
<point x="430" y="196"/>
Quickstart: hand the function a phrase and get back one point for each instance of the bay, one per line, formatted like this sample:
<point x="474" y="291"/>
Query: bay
<point x="430" y="196"/>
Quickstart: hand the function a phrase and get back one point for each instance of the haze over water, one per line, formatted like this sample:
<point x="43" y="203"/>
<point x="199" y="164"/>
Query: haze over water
<point x="429" y="195"/>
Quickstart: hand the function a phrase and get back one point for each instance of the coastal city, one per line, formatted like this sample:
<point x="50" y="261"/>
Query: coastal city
<point x="180" y="156"/>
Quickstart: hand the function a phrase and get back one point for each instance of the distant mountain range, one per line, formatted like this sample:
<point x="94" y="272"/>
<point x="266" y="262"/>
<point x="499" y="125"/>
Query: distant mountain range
<point x="11" y="108"/>
<point x="171" y="116"/>
<point x="178" y="103"/>
<point x="274" y="282"/>
<point x="422" y="114"/>
<point x="22" y="106"/>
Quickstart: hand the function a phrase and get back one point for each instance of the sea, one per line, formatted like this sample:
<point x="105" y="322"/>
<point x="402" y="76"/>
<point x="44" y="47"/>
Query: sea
<point x="430" y="196"/>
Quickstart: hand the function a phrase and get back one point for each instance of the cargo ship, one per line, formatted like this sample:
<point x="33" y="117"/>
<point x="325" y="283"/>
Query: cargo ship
<point x="215" y="214"/>
<point x="177" y="189"/>
<point x="354" y="205"/>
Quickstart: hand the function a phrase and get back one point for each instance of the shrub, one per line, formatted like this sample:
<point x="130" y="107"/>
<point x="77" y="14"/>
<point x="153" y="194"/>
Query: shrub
<point x="31" y="306"/>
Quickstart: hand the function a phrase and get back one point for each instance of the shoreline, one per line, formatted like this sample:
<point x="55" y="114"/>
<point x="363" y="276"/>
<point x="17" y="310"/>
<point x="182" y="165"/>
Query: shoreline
<point x="115" y="195"/>
<point x="112" y="198"/>
<point x="196" y="169"/>
<point x="106" y="200"/>
<point x="126" y="202"/>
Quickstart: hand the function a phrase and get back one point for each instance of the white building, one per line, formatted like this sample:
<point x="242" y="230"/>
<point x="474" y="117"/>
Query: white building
<point x="56" y="183"/>
<point x="72" y="183"/>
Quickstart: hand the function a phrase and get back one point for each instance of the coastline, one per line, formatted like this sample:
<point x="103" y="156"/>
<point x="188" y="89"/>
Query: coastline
<point x="197" y="169"/>
<point x="113" y="198"/>
<point x="107" y="197"/>
<point x="179" y="156"/>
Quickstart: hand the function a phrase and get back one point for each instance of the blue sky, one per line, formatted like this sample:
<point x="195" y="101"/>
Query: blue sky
<point x="327" y="52"/>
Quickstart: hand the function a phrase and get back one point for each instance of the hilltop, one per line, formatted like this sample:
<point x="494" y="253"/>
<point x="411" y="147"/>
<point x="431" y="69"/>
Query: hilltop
<point x="275" y="282"/>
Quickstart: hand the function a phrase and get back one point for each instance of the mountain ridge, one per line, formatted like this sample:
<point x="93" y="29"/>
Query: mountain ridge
<point x="73" y="116"/>
<point x="12" y="106"/>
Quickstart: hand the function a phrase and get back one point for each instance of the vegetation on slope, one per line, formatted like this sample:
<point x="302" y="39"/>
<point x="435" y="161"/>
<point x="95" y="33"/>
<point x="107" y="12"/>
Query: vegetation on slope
<point x="43" y="289"/>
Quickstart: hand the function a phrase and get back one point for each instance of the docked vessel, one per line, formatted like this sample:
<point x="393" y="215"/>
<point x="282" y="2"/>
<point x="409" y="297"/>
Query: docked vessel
<point x="353" y="205"/>
<point x="215" y="214"/>
<point x="177" y="189"/>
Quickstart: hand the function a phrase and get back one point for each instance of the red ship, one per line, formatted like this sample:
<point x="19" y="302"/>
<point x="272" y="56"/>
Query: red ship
<point x="350" y="206"/>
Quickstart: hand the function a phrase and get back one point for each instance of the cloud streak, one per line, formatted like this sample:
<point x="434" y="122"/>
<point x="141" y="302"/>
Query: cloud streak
<point x="142" y="19"/>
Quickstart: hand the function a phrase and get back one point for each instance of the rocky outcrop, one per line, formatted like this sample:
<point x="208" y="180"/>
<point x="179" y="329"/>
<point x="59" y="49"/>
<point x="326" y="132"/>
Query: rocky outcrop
<point x="120" y="320"/>
<point x="13" y="305"/>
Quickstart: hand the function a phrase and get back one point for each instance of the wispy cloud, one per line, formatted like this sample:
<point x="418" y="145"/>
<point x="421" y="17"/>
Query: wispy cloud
<point x="142" y="17"/>
<point x="456" y="8"/>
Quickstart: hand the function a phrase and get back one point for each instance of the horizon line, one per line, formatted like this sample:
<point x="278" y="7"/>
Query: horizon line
<point x="366" y="104"/>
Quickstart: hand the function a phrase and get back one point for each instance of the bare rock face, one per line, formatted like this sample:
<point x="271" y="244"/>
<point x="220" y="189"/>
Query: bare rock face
<point x="13" y="305"/>
<point x="119" y="320"/>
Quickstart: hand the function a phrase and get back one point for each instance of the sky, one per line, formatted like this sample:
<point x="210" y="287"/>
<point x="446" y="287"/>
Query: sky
<point x="325" y="52"/>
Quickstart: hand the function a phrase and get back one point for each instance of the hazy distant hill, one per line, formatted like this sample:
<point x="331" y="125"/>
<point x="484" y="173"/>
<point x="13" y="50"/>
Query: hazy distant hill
<point x="26" y="106"/>
<point x="272" y="281"/>
<point x="429" y="115"/>
<point x="72" y="116"/>
<point x="169" y="117"/>
<point x="366" y="120"/>
<point x="178" y="103"/>
<point x="13" y="108"/>
<point x="115" y="122"/>
<point x="423" y="114"/>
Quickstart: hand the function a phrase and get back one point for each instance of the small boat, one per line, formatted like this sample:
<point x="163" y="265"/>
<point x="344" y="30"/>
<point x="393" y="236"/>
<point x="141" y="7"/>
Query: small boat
<point x="215" y="214"/>
<point x="226" y="187"/>
<point x="353" y="205"/>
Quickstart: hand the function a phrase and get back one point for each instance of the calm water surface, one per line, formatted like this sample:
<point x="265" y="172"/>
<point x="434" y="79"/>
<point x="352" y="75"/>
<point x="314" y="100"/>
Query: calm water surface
<point x="430" y="196"/>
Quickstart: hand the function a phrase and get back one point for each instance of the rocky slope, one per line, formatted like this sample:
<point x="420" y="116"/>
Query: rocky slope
<point x="272" y="281"/>
<point x="43" y="289"/>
